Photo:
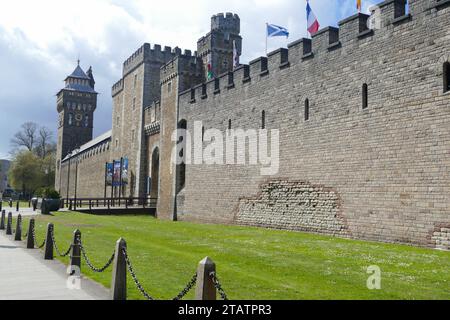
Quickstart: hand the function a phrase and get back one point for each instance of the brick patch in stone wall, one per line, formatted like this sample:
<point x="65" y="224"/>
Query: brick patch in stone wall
<point x="294" y="205"/>
<point x="441" y="238"/>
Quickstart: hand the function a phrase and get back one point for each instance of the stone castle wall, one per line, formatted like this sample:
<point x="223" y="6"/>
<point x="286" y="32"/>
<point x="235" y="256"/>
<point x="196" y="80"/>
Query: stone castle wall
<point x="132" y="95"/>
<point x="87" y="173"/>
<point x="380" y="173"/>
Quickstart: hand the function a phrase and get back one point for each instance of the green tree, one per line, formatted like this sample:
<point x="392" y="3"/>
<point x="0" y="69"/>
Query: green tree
<point x="48" y="169"/>
<point x="34" y="159"/>
<point x="26" y="172"/>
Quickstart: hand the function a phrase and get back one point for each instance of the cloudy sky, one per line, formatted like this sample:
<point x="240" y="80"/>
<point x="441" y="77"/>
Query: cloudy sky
<point x="40" y="42"/>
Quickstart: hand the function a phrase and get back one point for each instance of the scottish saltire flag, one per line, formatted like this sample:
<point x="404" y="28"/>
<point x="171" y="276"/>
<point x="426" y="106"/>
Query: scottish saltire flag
<point x="276" y="31"/>
<point x="313" y="23"/>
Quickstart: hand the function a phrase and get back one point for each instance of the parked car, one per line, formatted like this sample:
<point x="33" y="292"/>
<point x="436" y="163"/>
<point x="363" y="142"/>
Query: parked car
<point x="10" y="194"/>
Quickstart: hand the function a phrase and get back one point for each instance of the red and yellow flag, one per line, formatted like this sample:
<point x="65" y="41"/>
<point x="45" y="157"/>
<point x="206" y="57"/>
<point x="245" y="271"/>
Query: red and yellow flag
<point x="358" y="5"/>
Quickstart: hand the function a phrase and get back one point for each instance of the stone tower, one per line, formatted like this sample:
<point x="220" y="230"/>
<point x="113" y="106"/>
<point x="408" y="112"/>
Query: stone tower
<point x="76" y="104"/>
<point x="217" y="45"/>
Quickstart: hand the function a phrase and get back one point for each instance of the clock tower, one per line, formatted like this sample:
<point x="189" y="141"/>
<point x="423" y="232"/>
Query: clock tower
<point x="76" y="104"/>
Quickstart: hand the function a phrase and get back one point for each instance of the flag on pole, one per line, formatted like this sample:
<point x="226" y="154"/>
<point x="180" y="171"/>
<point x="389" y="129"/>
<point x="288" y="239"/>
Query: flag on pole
<point x="313" y="23"/>
<point x="210" y="73"/>
<point x="273" y="30"/>
<point x="358" y="5"/>
<point x="276" y="31"/>
<point x="235" y="56"/>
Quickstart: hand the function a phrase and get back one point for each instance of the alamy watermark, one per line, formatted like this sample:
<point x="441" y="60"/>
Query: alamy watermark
<point x="74" y="280"/>
<point x="231" y="147"/>
<point x="374" y="281"/>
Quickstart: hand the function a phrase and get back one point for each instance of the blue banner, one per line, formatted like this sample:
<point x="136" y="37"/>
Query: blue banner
<point x="125" y="171"/>
<point x="109" y="173"/>
<point x="116" y="181"/>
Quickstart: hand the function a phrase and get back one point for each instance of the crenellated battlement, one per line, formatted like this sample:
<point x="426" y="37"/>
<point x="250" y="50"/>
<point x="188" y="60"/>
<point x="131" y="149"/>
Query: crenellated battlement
<point x="146" y="53"/>
<point x="352" y="31"/>
<point x="228" y="23"/>
<point x="117" y="88"/>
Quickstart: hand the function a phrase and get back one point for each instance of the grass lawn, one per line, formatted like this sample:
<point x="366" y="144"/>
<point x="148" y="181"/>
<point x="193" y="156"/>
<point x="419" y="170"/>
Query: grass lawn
<point x="253" y="263"/>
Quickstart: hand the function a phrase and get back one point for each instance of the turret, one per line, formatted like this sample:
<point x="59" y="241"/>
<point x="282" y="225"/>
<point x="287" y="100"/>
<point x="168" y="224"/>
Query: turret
<point x="216" y="48"/>
<point x="228" y="23"/>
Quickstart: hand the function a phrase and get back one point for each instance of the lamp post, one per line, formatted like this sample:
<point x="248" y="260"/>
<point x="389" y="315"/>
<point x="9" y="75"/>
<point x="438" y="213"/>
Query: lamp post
<point x="68" y="175"/>
<point x="76" y="174"/>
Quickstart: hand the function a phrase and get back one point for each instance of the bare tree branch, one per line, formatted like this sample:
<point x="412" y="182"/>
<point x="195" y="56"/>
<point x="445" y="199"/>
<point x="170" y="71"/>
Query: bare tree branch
<point x="25" y="138"/>
<point x="44" y="142"/>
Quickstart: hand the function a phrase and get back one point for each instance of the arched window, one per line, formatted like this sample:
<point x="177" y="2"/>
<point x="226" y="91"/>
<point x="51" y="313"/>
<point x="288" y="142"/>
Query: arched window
<point x="306" y="109"/>
<point x="446" y="76"/>
<point x="263" y="119"/>
<point x="203" y="133"/>
<point x="365" y="98"/>
<point x="86" y="120"/>
<point x="229" y="124"/>
<point x="70" y="119"/>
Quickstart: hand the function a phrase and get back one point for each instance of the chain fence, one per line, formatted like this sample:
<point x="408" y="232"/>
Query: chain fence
<point x="89" y="263"/>
<point x="35" y="240"/>
<point x="218" y="286"/>
<point x="183" y="293"/>
<point x="135" y="279"/>
<point x="65" y="254"/>
<point x="186" y="289"/>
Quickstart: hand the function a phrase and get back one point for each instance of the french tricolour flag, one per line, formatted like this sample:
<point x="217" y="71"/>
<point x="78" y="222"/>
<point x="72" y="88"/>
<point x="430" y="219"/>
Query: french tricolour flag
<point x="313" y="23"/>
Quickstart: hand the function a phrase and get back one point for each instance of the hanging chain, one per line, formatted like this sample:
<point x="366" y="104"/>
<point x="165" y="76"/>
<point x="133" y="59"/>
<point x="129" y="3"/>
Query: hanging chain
<point x="91" y="266"/>
<point x="186" y="289"/>
<point x="133" y="275"/>
<point x="35" y="241"/>
<point x="218" y="286"/>
<point x="56" y="247"/>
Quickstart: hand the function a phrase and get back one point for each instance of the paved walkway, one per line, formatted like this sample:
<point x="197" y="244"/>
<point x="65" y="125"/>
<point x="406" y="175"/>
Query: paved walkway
<point x="25" y="275"/>
<point x="23" y="211"/>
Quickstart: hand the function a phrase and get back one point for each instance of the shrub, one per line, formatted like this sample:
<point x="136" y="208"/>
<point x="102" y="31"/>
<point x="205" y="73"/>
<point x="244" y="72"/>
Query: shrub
<point x="47" y="193"/>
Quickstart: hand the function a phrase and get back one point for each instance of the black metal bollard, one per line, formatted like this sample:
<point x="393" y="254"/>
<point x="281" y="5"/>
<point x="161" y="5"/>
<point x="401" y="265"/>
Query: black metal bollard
<point x="75" y="258"/>
<point x="18" y="234"/>
<point x="205" y="289"/>
<point x="2" y="222"/>
<point x="9" y="224"/>
<point x="10" y="203"/>
<point x="48" y="253"/>
<point x="1" y="204"/>
<point x="17" y="206"/>
<point x="119" y="275"/>
<point x="30" y="236"/>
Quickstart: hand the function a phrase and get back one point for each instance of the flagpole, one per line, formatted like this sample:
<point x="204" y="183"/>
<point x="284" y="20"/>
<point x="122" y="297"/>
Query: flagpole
<point x="267" y="25"/>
